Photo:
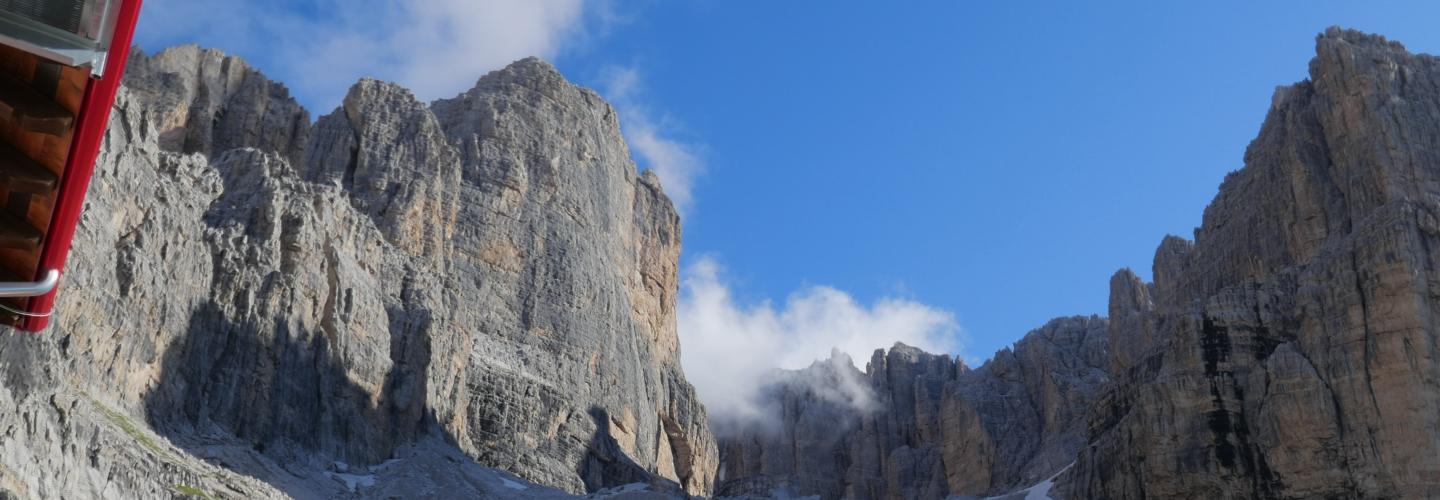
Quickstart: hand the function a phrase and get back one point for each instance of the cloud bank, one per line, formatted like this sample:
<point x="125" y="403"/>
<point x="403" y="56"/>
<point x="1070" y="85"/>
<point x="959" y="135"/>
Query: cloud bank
<point x="728" y="349"/>
<point x="651" y="139"/>
<point x="438" y="48"/>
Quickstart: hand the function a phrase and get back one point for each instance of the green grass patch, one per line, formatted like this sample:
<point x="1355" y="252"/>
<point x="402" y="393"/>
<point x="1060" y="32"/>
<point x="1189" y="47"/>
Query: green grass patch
<point x="186" y="489"/>
<point x="141" y="436"/>
<point x="124" y="423"/>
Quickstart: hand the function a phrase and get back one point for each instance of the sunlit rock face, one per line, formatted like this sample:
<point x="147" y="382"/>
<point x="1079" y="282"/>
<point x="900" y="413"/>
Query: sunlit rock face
<point x="1291" y="350"/>
<point x="476" y="297"/>
<point x="1288" y="351"/>
<point x="921" y="425"/>
<point x="488" y="272"/>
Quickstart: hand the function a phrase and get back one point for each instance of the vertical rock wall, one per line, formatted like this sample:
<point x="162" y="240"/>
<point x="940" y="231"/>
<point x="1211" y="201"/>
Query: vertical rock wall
<point x="1296" y="336"/>
<point x="489" y="268"/>
<point x="919" y="425"/>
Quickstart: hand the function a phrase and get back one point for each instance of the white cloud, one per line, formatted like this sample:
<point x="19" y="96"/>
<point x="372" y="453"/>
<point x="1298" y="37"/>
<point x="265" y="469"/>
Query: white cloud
<point x="676" y="162"/>
<point x="460" y="39"/>
<point x="728" y="348"/>
<point x="438" y="48"/>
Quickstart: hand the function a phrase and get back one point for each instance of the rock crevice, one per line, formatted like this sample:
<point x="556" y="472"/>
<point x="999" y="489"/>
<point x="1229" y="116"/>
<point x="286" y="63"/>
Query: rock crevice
<point x="488" y="271"/>
<point x="1317" y="259"/>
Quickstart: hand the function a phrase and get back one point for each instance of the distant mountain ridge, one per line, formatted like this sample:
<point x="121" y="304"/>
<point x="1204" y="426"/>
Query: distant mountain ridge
<point x="931" y="425"/>
<point x="476" y="297"/>
<point x="1289" y="351"/>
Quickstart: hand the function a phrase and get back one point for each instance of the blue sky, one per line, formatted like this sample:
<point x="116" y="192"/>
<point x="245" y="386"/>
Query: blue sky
<point x="994" y="162"/>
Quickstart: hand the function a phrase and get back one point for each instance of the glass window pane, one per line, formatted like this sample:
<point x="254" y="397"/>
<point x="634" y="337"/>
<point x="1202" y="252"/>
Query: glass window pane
<point x="63" y="14"/>
<point x="72" y="32"/>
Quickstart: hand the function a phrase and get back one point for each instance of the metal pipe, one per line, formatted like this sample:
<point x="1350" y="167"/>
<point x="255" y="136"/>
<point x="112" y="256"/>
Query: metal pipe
<point x="88" y="133"/>
<point x="30" y="288"/>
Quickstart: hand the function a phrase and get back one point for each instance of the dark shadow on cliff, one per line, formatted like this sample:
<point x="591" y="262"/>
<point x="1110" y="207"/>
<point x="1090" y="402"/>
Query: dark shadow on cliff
<point x="230" y="390"/>
<point x="285" y="394"/>
<point x="25" y="361"/>
<point x="607" y="465"/>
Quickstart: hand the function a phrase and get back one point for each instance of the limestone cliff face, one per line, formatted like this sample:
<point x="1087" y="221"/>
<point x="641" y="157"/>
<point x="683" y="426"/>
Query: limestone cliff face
<point x="208" y="102"/>
<point x="1290" y="351"/>
<point x="919" y="425"/>
<point x="488" y="273"/>
<point x="386" y="301"/>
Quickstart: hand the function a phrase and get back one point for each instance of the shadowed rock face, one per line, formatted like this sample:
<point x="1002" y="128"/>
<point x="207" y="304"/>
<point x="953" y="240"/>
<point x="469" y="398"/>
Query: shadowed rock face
<point x="1289" y="351"/>
<point x="261" y="307"/>
<point x="919" y="425"/>
<point x="205" y="101"/>
<point x="1295" y="350"/>
<point x="488" y="269"/>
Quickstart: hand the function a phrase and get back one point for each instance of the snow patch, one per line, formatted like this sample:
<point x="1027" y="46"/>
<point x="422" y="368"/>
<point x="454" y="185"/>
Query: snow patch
<point x="783" y="494"/>
<point x="354" y="482"/>
<point x="1040" y="491"/>
<point x="627" y="488"/>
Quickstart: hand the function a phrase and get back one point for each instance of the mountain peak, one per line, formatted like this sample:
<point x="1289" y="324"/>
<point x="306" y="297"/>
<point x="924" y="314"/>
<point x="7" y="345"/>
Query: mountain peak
<point x="532" y="73"/>
<point x="1337" y="34"/>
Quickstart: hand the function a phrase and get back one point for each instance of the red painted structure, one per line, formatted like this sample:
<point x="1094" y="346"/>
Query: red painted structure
<point x="90" y="125"/>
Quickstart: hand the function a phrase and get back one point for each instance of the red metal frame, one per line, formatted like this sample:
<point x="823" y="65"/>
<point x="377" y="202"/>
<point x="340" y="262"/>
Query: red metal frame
<point x="90" y="124"/>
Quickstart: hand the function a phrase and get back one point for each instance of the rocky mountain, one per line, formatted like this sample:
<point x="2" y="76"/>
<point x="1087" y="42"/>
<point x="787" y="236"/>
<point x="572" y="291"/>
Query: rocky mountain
<point x="476" y="297"/>
<point x="258" y="305"/>
<point x="1290" y="350"/>
<point x="920" y="425"/>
